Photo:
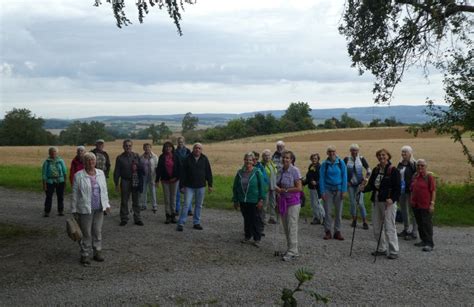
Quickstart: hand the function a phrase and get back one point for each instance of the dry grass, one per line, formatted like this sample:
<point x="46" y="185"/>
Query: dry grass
<point x="444" y="157"/>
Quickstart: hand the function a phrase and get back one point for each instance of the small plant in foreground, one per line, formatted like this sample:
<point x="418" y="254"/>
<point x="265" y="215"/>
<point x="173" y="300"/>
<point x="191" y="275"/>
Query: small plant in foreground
<point x="302" y="275"/>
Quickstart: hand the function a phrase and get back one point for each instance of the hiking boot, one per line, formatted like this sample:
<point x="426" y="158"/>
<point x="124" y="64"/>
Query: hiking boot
<point x="139" y="223"/>
<point x="123" y="223"/>
<point x="327" y="236"/>
<point x="338" y="236"/>
<point x="354" y="224"/>
<point x="256" y="243"/>
<point x="420" y="244"/>
<point x="403" y="233"/>
<point x="179" y="228"/>
<point x="365" y="226"/>
<point x="84" y="261"/>
<point x="288" y="257"/>
<point x="392" y="256"/>
<point x="410" y="236"/>
<point x="198" y="227"/>
<point x="168" y="219"/>
<point x="173" y="219"/>
<point x="272" y="221"/>
<point x="143" y="208"/>
<point x="98" y="257"/>
<point x="427" y="248"/>
<point x="378" y="253"/>
<point x="155" y="209"/>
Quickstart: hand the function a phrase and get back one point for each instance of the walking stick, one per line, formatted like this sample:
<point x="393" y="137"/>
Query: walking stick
<point x="380" y="236"/>
<point x="354" y="230"/>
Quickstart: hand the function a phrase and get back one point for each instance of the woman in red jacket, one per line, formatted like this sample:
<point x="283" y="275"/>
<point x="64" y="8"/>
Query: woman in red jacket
<point x="77" y="163"/>
<point x="423" y="196"/>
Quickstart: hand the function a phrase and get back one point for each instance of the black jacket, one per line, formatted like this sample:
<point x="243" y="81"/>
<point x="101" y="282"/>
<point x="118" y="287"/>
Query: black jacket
<point x="389" y="186"/>
<point x="312" y="174"/>
<point x="409" y="172"/>
<point x="195" y="174"/>
<point x="162" y="174"/>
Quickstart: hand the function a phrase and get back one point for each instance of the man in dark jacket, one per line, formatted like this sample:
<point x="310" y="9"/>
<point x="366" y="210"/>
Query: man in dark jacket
<point x="196" y="172"/>
<point x="127" y="173"/>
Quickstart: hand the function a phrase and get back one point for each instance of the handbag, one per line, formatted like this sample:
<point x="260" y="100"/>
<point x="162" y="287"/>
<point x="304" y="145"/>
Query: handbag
<point x="73" y="230"/>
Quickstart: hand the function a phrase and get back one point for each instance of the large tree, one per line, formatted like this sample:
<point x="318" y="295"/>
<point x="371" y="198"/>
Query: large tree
<point x="21" y="127"/>
<point x="173" y="7"/>
<point x="297" y="117"/>
<point x="386" y="37"/>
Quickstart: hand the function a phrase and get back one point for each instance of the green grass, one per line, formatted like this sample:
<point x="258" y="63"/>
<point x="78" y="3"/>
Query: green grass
<point x="454" y="204"/>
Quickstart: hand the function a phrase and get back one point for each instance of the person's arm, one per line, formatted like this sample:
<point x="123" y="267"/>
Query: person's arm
<point x="365" y="164"/>
<point x="64" y="169"/>
<point x="344" y="177"/>
<point x="395" y="188"/>
<point x="368" y="186"/>
<point x="261" y="189"/>
<point x="117" y="172"/>
<point x="433" y="193"/>
<point x="158" y="169"/>
<point x="107" y="164"/>
<point x="72" y="172"/>
<point x="322" y="176"/>
<point x="44" y="174"/>
<point x="208" y="175"/>
<point x="75" y="195"/>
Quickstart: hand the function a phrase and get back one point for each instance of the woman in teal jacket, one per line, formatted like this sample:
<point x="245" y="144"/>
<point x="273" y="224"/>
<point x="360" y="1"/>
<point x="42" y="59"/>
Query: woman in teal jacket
<point x="54" y="178"/>
<point x="248" y="194"/>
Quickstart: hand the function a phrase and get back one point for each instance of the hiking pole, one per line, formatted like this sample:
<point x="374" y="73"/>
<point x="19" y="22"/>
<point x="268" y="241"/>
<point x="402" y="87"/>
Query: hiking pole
<point x="354" y="230"/>
<point x="380" y="236"/>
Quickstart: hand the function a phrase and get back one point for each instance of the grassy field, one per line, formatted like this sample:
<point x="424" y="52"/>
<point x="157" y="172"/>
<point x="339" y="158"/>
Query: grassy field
<point x="454" y="202"/>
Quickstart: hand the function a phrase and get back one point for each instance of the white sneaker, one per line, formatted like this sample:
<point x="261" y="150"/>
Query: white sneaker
<point x="289" y="257"/>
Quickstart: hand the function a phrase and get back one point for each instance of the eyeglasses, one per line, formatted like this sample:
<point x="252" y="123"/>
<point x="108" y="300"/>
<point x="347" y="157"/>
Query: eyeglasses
<point x="421" y="165"/>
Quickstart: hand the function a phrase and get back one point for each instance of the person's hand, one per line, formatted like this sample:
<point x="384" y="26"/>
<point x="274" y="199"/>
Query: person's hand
<point x="343" y="194"/>
<point x="278" y="190"/>
<point x="75" y="215"/>
<point x="324" y="196"/>
<point x="313" y="182"/>
<point x="362" y="186"/>
<point x="210" y="189"/>
<point x="236" y="206"/>
<point x="183" y="190"/>
<point x="260" y="205"/>
<point x="45" y="187"/>
<point x="107" y="210"/>
<point x="389" y="202"/>
<point x="431" y="209"/>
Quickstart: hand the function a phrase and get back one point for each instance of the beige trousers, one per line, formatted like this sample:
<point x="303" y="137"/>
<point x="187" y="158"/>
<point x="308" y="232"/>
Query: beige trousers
<point x="290" y="226"/>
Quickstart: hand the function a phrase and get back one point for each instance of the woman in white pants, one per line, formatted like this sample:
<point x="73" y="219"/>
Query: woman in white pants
<point x="89" y="201"/>
<point x="384" y="182"/>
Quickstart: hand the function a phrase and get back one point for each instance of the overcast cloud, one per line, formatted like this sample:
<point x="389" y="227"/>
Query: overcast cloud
<point x="68" y="59"/>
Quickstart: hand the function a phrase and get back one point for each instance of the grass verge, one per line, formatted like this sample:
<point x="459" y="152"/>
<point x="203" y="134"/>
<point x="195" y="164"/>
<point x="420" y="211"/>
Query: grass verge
<point x="454" y="204"/>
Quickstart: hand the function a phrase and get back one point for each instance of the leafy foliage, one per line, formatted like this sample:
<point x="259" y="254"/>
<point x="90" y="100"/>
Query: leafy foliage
<point x="82" y="133"/>
<point x="189" y="122"/>
<point x="173" y="7"/>
<point x="387" y="37"/>
<point x="345" y="122"/>
<point x="20" y="127"/>
<point x="302" y="275"/>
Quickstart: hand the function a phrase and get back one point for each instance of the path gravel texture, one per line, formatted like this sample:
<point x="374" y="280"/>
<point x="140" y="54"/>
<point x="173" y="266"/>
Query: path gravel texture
<point x="157" y="265"/>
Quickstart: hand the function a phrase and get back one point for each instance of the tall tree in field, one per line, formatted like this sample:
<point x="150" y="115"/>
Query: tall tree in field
<point x="386" y="37"/>
<point x="298" y="117"/>
<point x="189" y="122"/>
<point x="20" y="127"/>
<point x="173" y="7"/>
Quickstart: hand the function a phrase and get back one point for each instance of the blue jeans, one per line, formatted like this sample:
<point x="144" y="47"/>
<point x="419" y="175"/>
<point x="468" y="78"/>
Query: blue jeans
<point x="352" y="189"/>
<point x="178" y="201"/>
<point x="198" y="195"/>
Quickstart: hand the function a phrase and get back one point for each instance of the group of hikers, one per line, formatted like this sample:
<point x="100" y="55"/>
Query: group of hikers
<point x="267" y="191"/>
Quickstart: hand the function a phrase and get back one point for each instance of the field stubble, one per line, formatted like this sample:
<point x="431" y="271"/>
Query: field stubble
<point x="443" y="156"/>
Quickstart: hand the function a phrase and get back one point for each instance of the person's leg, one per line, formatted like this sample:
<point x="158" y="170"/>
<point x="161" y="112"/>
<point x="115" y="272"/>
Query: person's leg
<point x="352" y="200"/>
<point x="188" y="198"/>
<point x="85" y="223"/>
<point x="97" y="221"/>
<point x="178" y="200"/>
<point x="338" y="215"/>
<point x="49" y="198"/>
<point x="391" y="229"/>
<point x="363" y="211"/>
<point x="136" y="206"/>
<point x="293" y="216"/>
<point x="271" y="198"/>
<point x="284" y="222"/>
<point x="173" y="190"/>
<point x="256" y="222"/>
<point x="419" y="220"/>
<point x="166" y="199"/>
<point x="60" y="194"/>
<point x="404" y="207"/>
<point x="245" y="214"/>
<point x="414" y="226"/>
<point x="328" y="203"/>
<point x="377" y="215"/>
<point x="428" y="226"/>
<point x="424" y="233"/>
<point x="313" y="196"/>
<point x="153" y="195"/>
<point x="144" y="194"/>
<point x="125" y="190"/>
<point x="199" y="199"/>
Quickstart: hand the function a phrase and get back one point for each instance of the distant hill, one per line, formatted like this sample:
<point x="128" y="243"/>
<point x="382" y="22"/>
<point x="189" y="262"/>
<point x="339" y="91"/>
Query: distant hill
<point x="405" y="114"/>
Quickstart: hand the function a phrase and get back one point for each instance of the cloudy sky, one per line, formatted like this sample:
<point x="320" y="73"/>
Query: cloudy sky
<point x="66" y="58"/>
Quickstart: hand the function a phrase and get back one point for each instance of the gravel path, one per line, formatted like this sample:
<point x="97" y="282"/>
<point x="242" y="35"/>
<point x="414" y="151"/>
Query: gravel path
<point x="157" y="265"/>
